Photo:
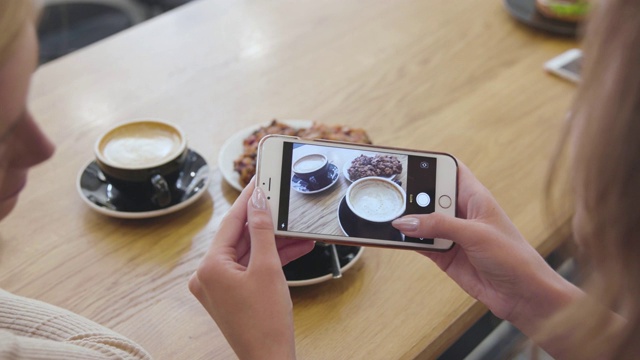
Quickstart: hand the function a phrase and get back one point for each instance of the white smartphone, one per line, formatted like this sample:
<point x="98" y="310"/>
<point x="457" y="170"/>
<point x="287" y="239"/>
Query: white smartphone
<point x="348" y="193"/>
<point x="566" y="65"/>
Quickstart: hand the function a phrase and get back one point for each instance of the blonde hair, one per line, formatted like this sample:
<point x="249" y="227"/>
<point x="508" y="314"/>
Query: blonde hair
<point x="604" y="129"/>
<point x="13" y="16"/>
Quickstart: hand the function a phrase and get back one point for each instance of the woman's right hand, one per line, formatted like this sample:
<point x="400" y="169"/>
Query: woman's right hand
<point x="491" y="260"/>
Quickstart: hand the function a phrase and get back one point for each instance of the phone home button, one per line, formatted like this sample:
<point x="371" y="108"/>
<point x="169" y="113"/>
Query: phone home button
<point x="444" y="201"/>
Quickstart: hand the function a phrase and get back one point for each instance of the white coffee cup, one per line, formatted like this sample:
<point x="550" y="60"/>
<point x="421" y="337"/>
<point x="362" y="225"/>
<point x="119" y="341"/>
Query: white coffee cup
<point x="376" y="199"/>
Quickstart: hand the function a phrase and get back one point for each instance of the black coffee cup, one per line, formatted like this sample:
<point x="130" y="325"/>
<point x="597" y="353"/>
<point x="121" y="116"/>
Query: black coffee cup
<point x="312" y="169"/>
<point x="142" y="159"/>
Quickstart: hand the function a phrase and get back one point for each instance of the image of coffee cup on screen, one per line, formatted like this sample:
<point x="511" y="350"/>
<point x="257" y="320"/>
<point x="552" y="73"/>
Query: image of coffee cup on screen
<point x="312" y="171"/>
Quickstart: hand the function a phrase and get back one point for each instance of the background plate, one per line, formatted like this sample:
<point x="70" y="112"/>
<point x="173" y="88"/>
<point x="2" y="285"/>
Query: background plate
<point x="525" y="11"/>
<point x="232" y="149"/>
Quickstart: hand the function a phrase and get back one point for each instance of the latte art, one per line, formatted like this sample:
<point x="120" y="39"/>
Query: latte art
<point x="141" y="146"/>
<point x="376" y="200"/>
<point x="309" y="163"/>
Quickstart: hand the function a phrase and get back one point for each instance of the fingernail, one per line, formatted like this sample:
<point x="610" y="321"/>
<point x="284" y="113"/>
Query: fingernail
<point x="258" y="199"/>
<point x="406" y="224"/>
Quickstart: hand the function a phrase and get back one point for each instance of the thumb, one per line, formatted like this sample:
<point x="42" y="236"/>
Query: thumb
<point x="261" y="231"/>
<point x="436" y="225"/>
<point x="195" y="287"/>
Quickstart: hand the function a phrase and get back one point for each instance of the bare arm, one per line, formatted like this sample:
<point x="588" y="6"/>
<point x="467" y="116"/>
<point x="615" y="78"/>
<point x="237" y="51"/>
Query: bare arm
<point x="494" y="263"/>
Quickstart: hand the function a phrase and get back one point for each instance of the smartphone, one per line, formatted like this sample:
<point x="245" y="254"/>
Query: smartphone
<point x="566" y="65"/>
<point x="348" y="194"/>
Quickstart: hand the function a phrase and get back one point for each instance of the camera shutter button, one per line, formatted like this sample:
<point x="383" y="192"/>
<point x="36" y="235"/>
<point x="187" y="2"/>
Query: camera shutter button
<point x="423" y="199"/>
<point x="444" y="201"/>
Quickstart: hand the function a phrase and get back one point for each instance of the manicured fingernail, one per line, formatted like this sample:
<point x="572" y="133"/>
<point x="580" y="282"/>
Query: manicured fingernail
<point x="258" y="199"/>
<point x="406" y="224"/>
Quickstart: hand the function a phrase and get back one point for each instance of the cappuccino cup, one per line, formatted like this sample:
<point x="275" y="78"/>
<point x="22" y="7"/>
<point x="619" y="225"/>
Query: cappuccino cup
<point x="311" y="168"/>
<point x="142" y="159"/>
<point x="376" y="199"/>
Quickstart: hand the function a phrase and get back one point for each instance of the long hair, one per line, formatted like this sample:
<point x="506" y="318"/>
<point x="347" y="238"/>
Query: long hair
<point x="13" y="16"/>
<point x="603" y="143"/>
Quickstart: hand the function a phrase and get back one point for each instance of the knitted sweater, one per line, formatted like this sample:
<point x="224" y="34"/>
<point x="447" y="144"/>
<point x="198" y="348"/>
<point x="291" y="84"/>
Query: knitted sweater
<point x="31" y="329"/>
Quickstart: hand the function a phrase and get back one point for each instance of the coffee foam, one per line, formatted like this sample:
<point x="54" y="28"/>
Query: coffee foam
<point x="141" y="145"/>
<point x="309" y="163"/>
<point x="376" y="201"/>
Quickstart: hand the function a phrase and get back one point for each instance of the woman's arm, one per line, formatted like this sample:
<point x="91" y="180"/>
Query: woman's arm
<point x="31" y="329"/>
<point x="492" y="261"/>
<point x="241" y="284"/>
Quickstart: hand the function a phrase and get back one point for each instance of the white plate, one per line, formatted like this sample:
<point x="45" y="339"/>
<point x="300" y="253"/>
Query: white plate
<point x="232" y="149"/>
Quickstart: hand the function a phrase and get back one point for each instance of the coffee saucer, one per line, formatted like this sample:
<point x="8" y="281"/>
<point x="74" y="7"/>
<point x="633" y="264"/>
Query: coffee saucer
<point x="304" y="187"/>
<point x="354" y="226"/>
<point x="315" y="267"/>
<point x="101" y="196"/>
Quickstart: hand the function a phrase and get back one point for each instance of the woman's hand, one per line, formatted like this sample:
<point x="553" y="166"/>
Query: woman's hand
<point x="491" y="260"/>
<point x="241" y="284"/>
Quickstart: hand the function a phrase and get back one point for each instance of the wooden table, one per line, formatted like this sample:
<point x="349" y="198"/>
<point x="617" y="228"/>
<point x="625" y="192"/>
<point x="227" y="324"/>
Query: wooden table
<point x="454" y="76"/>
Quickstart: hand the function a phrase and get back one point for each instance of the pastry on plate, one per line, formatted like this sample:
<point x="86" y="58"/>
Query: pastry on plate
<point x="245" y="165"/>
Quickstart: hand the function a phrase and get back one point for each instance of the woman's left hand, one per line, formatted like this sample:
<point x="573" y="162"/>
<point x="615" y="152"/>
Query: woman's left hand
<point x="241" y="284"/>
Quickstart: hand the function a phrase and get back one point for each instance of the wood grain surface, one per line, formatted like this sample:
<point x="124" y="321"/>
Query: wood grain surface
<point x="454" y="76"/>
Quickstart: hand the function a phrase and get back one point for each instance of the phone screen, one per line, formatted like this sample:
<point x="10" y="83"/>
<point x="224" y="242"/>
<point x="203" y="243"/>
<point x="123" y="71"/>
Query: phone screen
<point x="314" y="199"/>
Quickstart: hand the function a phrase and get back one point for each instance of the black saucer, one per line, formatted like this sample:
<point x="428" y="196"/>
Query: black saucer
<point x="525" y="11"/>
<point x="315" y="266"/>
<point x="103" y="197"/>
<point x="325" y="181"/>
<point x="354" y="226"/>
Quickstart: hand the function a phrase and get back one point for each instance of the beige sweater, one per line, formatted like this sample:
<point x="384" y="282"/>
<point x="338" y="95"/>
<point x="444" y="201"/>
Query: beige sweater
<point x="31" y="329"/>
